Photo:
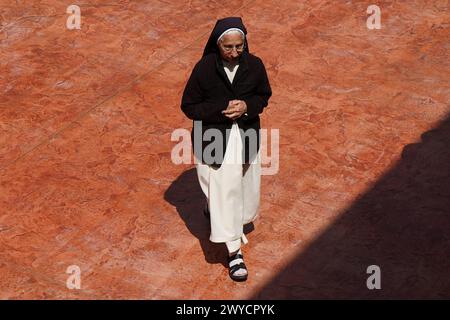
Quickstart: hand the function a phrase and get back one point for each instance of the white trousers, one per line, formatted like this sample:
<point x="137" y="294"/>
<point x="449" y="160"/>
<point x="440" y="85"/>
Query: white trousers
<point x="232" y="192"/>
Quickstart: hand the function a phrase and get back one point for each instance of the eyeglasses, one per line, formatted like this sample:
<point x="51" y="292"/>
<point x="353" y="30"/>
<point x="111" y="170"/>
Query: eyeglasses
<point x="229" y="48"/>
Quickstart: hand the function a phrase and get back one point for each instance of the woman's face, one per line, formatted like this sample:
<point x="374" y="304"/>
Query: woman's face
<point x="231" y="46"/>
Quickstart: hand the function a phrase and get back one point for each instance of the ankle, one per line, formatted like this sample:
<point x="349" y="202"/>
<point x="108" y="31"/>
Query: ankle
<point x="230" y="254"/>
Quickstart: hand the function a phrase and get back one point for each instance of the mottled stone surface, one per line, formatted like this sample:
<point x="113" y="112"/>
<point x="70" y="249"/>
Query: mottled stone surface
<point x="86" y="176"/>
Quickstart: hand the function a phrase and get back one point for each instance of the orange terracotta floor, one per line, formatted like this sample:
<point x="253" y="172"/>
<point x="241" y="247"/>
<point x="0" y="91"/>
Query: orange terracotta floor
<point x="86" y="176"/>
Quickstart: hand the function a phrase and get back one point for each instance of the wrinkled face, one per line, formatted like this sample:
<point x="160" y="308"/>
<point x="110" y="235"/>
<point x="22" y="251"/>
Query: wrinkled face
<point x="231" y="46"/>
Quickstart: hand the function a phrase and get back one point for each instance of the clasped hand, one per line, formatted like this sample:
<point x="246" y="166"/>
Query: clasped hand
<point x="235" y="109"/>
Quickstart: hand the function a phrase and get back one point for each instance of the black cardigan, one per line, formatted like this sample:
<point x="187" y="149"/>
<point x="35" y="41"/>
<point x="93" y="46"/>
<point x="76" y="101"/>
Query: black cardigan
<point x="208" y="92"/>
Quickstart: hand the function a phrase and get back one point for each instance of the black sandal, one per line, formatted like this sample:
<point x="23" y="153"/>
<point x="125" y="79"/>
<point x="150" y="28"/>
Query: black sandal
<point x="236" y="267"/>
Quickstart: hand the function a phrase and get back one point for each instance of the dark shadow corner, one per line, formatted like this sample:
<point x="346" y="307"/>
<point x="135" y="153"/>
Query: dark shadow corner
<point x="402" y="225"/>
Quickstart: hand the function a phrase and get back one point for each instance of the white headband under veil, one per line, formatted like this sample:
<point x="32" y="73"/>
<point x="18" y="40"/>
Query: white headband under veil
<point x="229" y="30"/>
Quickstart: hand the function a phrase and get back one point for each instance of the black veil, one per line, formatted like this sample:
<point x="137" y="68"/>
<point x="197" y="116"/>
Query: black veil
<point x="221" y="26"/>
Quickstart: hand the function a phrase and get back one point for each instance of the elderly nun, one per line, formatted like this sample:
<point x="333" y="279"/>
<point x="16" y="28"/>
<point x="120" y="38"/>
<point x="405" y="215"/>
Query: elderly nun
<point x="227" y="90"/>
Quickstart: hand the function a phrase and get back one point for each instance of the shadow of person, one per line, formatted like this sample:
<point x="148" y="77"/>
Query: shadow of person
<point x="187" y="197"/>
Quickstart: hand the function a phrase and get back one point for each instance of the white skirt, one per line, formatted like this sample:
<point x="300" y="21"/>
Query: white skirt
<point x="232" y="191"/>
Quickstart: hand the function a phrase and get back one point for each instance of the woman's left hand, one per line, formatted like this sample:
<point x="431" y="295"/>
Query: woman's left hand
<point x="235" y="109"/>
